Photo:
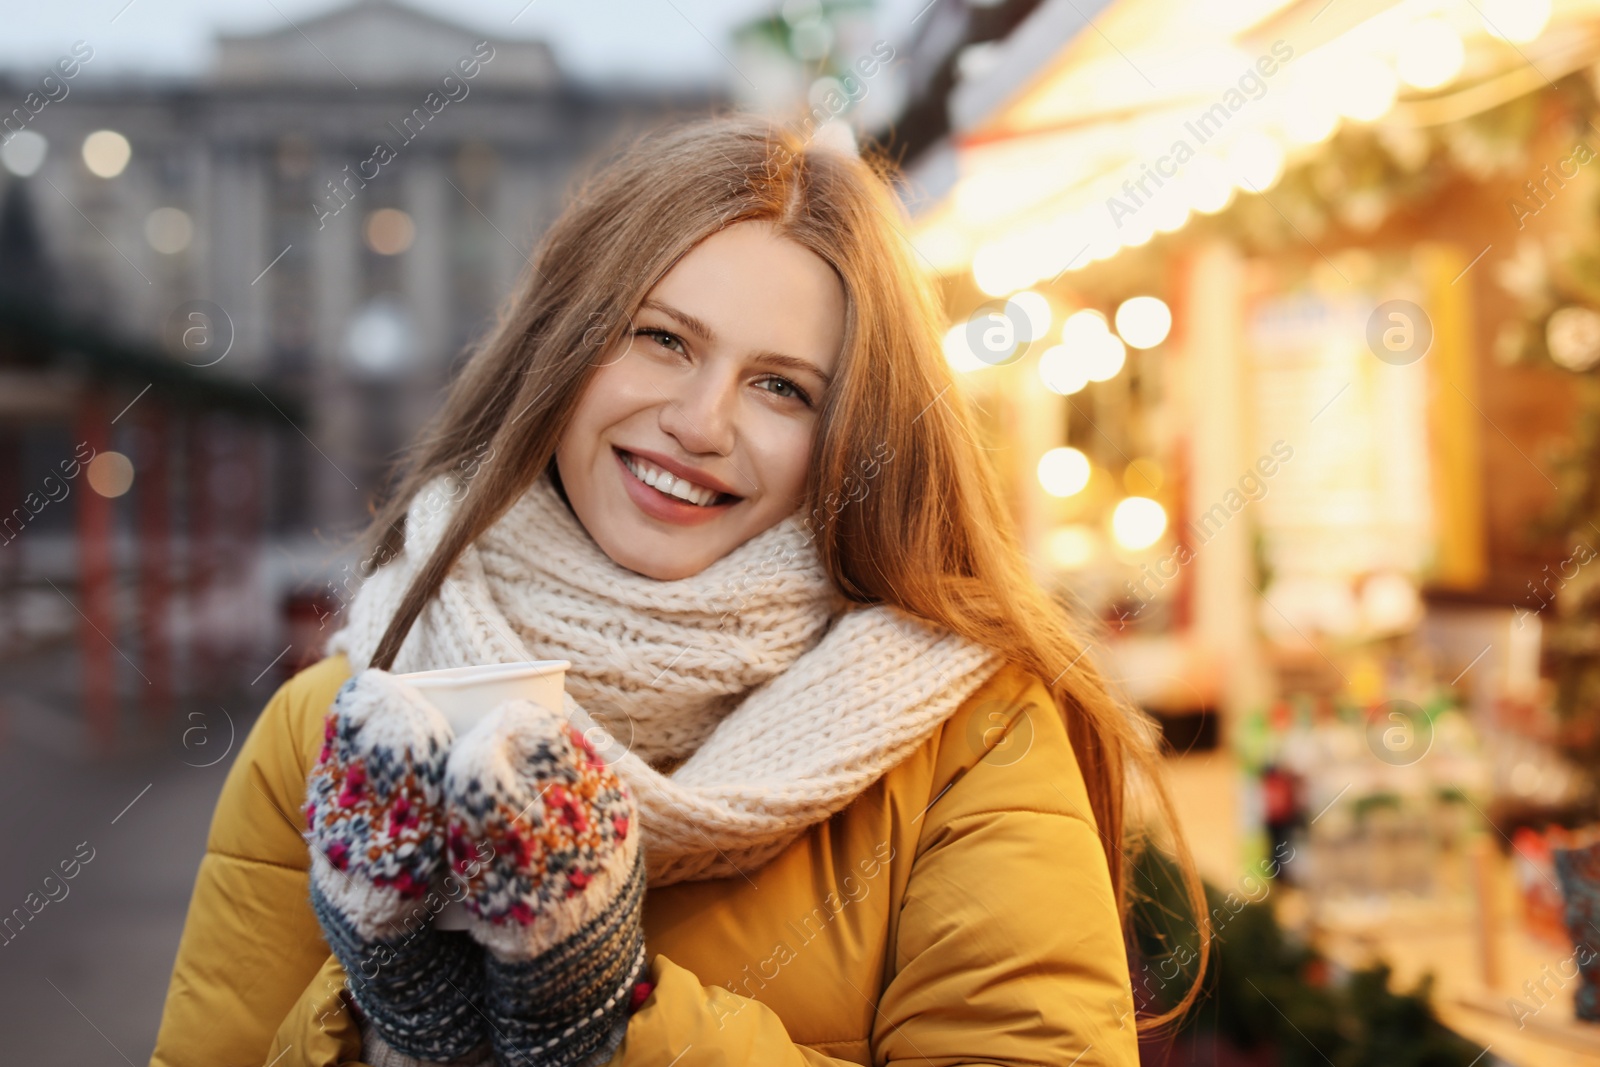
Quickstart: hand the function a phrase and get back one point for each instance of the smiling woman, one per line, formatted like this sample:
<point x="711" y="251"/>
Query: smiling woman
<point x="735" y="488"/>
<point x="688" y="442"/>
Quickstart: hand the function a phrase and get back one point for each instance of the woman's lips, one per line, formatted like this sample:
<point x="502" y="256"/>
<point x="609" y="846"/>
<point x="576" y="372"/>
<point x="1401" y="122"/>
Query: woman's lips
<point x="659" y="505"/>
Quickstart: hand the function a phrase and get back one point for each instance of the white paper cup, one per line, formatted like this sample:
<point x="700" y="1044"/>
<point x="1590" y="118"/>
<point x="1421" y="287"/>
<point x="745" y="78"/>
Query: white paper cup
<point x="465" y="695"/>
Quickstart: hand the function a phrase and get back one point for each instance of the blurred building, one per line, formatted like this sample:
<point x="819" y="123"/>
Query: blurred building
<point x="348" y="197"/>
<point x="324" y="221"/>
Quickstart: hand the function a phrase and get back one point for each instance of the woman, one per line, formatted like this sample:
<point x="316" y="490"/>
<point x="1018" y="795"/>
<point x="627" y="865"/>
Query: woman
<point x="835" y="782"/>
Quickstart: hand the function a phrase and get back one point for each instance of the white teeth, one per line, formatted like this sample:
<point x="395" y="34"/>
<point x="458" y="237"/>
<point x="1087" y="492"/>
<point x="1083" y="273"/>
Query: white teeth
<point x="659" y="479"/>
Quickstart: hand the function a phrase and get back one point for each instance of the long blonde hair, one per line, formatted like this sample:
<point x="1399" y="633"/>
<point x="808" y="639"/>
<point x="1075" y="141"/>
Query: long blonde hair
<point x="927" y="531"/>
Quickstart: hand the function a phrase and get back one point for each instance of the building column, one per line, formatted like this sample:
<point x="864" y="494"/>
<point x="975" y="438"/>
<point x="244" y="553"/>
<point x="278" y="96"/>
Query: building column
<point x="238" y="225"/>
<point x="335" y="264"/>
<point x="426" y="265"/>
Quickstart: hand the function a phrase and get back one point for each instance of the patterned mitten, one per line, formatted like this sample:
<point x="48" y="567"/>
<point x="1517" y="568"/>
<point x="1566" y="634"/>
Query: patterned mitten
<point x="559" y="901"/>
<point x="375" y="829"/>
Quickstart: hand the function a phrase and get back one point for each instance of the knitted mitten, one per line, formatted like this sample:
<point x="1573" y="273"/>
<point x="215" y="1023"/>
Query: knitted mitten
<point x="376" y="834"/>
<point x="558" y="904"/>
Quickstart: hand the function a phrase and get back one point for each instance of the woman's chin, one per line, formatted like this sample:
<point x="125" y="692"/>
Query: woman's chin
<point x="662" y="564"/>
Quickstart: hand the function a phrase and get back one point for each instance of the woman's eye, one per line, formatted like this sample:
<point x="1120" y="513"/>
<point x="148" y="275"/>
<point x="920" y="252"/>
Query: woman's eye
<point x="793" y="390"/>
<point x="666" y="340"/>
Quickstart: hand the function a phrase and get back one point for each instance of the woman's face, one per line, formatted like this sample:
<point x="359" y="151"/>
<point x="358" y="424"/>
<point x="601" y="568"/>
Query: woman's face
<point x="695" y="434"/>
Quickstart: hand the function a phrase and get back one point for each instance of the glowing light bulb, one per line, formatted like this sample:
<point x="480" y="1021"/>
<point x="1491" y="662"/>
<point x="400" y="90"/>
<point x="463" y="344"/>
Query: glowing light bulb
<point x="1369" y="90"/>
<point x="958" y="353"/>
<point x="1064" y="471"/>
<point x="1144" y="321"/>
<point x="1083" y="325"/>
<point x="1138" y="522"/>
<point x="1256" y="162"/>
<point x="1517" y="21"/>
<point x="1035" y="308"/>
<point x="1105" y="357"/>
<point x="1071" y="547"/>
<point x="1063" y="370"/>
<point x="1170" y="210"/>
<point x="1310" y="124"/>
<point x="995" y="270"/>
<point x="1430" y="54"/>
<point x="1210" y="188"/>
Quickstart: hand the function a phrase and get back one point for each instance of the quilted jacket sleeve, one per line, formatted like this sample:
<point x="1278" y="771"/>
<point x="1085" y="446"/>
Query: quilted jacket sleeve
<point x="251" y="944"/>
<point x="1009" y="949"/>
<point x="688" y="1024"/>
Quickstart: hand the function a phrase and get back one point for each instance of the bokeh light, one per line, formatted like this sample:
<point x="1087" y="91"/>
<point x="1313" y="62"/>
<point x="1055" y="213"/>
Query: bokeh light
<point x="1104" y="357"/>
<point x="1072" y="547"/>
<point x="168" y="229"/>
<point x="1430" y="55"/>
<point x="23" y="153"/>
<point x="1517" y="21"/>
<point x="106" y="153"/>
<point x="1256" y="162"/>
<point x="959" y="354"/>
<point x="110" y="474"/>
<point x="1369" y="90"/>
<point x="1210" y="188"/>
<point x="1062" y="370"/>
<point x="1138" y="522"/>
<point x="1064" y="471"/>
<point x="1036" y="309"/>
<point x="1082" y="326"/>
<point x="1144" y="321"/>
<point x="389" y="231"/>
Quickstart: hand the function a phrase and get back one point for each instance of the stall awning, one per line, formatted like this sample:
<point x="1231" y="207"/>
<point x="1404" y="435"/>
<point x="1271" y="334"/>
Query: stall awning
<point x="1090" y="132"/>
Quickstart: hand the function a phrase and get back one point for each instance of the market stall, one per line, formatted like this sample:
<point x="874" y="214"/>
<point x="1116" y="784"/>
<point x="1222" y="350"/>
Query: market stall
<point x="1285" y="321"/>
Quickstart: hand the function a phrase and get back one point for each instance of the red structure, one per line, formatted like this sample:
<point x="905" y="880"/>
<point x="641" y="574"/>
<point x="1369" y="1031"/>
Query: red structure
<point x="178" y="539"/>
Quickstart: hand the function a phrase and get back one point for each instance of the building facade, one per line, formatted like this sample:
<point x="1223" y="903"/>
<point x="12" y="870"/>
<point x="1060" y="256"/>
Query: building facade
<point x="335" y="210"/>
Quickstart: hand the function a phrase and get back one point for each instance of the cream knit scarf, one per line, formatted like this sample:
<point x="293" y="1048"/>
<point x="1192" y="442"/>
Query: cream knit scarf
<point x="740" y="705"/>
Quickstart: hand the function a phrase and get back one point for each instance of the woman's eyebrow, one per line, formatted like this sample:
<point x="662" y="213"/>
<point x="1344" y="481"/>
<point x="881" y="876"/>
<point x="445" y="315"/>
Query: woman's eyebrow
<point x="794" y="363"/>
<point x="686" y="320"/>
<point x="704" y="333"/>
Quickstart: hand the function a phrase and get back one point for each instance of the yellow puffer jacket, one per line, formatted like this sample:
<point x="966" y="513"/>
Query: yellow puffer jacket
<point x="958" y="912"/>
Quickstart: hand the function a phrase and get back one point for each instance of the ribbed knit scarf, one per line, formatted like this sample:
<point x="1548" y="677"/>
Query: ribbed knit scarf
<point x="741" y="705"/>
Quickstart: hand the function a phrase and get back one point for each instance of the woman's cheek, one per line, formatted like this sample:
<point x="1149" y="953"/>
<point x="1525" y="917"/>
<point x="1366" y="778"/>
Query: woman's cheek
<point x="785" y="464"/>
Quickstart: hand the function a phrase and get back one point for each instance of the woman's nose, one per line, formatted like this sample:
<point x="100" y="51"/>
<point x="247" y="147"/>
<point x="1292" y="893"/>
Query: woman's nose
<point x="701" y="412"/>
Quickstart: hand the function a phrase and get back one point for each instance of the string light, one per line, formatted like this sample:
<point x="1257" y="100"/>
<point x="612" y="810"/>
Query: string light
<point x="1430" y="54"/>
<point x="1138" y="522"/>
<point x="1144" y="321"/>
<point x="1064" y="471"/>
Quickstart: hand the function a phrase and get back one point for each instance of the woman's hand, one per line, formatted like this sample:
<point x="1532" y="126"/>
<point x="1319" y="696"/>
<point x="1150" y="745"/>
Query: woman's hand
<point x="374" y="815"/>
<point x="558" y="902"/>
<point x="375" y="827"/>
